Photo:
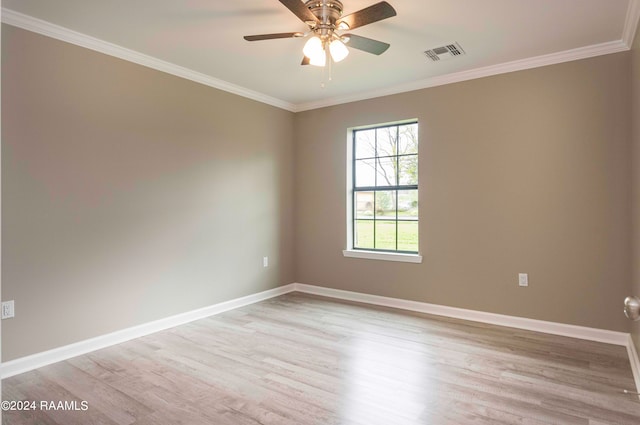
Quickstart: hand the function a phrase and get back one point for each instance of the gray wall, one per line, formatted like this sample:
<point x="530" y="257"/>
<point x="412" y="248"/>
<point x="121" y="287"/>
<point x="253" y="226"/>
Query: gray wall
<point x="635" y="109"/>
<point x="130" y="195"/>
<point x="522" y="172"/>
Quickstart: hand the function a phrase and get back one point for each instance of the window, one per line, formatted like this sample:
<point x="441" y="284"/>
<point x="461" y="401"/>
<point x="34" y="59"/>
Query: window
<point x="384" y="195"/>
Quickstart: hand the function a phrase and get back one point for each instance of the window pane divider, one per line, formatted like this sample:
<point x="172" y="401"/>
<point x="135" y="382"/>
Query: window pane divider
<point x="385" y="188"/>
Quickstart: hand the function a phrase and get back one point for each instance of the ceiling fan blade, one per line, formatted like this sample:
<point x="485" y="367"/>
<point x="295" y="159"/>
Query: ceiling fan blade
<point x="366" y="44"/>
<point x="305" y="61"/>
<point x="272" y="36"/>
<point x="300" y="10"/>
<point x="368" y="15"/>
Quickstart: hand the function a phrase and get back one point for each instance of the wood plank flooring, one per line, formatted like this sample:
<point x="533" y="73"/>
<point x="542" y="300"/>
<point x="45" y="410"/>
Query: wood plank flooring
<point x="299" y="359"/>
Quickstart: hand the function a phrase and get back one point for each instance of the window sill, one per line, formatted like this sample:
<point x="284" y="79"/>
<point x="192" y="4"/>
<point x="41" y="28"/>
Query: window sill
<point x="386" y="256"/>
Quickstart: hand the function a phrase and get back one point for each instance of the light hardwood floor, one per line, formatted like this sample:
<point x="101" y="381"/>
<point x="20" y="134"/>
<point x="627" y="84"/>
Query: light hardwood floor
<point x="299" y="359"/>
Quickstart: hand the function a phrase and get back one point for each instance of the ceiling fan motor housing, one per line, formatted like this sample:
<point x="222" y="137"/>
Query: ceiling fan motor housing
<point x="327" y="12"/>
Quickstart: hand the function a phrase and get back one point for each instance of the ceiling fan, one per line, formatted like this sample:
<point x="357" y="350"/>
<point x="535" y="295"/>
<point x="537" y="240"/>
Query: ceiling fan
<point x="325" y="21"/>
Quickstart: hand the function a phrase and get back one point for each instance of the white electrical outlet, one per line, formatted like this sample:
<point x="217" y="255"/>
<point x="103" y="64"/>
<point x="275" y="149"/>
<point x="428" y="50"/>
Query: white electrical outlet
<point x="265" y="261"/>
<point x="8" y="310"/>
<point x="523" y="279"/>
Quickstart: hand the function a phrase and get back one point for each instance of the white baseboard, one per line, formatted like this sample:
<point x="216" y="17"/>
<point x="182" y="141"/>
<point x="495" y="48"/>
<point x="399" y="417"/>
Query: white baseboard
<point x="34" y="361"/>
<point x="635" y="362"/>
<point x="581" y="332"/>
<point x="554" y="328"/>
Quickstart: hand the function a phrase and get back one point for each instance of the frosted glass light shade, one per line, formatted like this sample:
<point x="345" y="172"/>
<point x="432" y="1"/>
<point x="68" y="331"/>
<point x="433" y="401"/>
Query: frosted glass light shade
<point x="314" y="50"/>
<point x="319" y="60"/>
<point x="338" y="50"/>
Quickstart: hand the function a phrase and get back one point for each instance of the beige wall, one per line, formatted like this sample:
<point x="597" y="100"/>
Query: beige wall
<point x="635" y="110"/>
<point x="130" y="195"/>
<point x="522" y="172"/>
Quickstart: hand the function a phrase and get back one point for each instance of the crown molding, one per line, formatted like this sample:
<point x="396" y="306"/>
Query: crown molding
<point x="631" y="23"/>
<point x="472" y="74"/>
<point x="64" y="34"/>
<point x="48" y="29"/>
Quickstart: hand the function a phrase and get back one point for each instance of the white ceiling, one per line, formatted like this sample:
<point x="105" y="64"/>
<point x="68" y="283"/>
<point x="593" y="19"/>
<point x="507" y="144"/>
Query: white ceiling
<point x="204" y="39"/>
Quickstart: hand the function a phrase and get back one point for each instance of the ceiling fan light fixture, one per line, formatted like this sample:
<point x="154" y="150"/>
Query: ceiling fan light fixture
<point x="338" y="50"/>
<point x="324" y="20"/>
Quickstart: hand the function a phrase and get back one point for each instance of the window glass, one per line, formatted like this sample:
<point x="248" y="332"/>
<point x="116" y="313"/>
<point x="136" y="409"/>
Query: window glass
<point x="365" y="144"/>
<point x="385" y="193"/>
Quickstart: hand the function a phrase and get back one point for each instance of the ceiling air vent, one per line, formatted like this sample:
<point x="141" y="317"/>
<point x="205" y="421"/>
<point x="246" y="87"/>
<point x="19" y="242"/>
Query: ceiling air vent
<point x="445" y="52"/>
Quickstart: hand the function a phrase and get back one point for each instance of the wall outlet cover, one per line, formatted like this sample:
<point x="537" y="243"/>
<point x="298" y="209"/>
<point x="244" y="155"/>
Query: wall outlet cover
<point x="8" y="310"/>
<point x="523" y="279"/>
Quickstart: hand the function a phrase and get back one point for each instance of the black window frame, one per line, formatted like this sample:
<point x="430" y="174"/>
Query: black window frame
<point x="376" y="188"/>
